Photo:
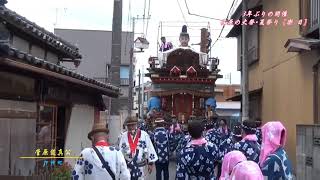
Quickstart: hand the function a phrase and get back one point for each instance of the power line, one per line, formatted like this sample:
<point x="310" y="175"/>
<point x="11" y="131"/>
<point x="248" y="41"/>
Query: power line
<point x="223" y="25"/>
<point x="185" y="1"/>
<point x="148" y="18"/>
<point x="144" y="14"/>
<point x="184" y="18"/>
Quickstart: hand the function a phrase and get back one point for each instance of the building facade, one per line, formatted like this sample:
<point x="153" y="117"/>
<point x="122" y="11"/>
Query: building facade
<point x="95" y="46"/>
<point x="225" y="107"/>
<point x="283" y="60"/>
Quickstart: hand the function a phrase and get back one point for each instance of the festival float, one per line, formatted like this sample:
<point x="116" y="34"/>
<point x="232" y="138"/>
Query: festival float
<point x="183" y="81"/>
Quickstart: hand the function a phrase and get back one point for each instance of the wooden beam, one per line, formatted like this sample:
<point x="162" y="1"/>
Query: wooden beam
<point x="45" y="72"/>
<point x="17" y="114"/>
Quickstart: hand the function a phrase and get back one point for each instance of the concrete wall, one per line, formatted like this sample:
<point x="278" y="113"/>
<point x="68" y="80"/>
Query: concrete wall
<point x="115" y="124"/>
<point x="95" y="46"/>
<point x="286" y="78"/>
<point x="20" y="44"/>
<point x="81" y="121"/>
<point x="125" y="91"/>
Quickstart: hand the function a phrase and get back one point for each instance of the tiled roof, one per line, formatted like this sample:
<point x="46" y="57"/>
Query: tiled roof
<point x="9" y="52"/>
<point x="37" y="32"/>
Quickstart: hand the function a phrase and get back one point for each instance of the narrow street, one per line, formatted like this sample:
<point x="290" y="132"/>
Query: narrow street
<point x="172" y="172"/>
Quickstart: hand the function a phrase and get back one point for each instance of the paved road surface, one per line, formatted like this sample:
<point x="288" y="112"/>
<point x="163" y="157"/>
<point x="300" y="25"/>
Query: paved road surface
<point x="172" y="172"/>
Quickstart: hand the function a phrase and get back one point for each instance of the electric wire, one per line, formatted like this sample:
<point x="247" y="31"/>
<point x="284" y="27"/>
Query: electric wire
<point x="223" y="25"/>
<point x="185" y="1"/>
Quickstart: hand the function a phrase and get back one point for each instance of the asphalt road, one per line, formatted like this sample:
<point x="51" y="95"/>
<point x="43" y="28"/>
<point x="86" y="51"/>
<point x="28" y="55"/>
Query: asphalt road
<point x="172" y="172"/>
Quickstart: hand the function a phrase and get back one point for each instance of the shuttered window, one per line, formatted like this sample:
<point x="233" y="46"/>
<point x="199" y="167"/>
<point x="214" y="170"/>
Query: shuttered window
<point x="253" y="46"/>
<point x="310" y="10"/>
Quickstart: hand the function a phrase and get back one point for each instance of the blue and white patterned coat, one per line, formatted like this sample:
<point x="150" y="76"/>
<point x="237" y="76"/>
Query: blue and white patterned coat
<point x="259" y="135"/>
<point x="225" y="146"/>
<point x="183" y="142"/>
<point x="277" y="166"/>
<point x="213" y="136"/>
<point x="197" y="162"/>
<point x="161" y="139"/>
<point x="145" y="153"/>
<point x="89" y="167"/>
<point x="251" y="149"/>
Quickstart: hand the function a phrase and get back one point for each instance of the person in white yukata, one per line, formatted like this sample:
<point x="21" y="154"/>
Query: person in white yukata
<point x="137" y="148"/>
<point x="101" y="161"/>
<point x="197" y="159"/>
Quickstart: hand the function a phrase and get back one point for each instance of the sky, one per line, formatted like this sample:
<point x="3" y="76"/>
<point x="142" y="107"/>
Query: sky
<point x="97" y="15"/>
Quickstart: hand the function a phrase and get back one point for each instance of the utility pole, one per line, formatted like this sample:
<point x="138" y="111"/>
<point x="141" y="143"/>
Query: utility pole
<point x="116" y="53"/>
<point x="132" y="51"/>
<point x="130" y="97"/>
<point x="139" y="96"/>
<point x="244" y="72"/>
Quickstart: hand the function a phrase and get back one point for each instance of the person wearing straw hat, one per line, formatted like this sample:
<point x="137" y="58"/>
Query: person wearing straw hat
<point x="249" y="145"/>
<point x="162" y="138"/>
<point x="101" y="161"/>
<point x="137" y="148"/>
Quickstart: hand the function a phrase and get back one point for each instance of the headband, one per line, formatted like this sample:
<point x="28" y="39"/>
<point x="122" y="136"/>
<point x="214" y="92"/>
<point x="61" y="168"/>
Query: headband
<point x="248" y="128"/>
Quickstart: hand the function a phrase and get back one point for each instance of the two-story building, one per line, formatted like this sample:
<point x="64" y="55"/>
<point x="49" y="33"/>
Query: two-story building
<point x="283" y="59"/>
<point x="43" y="105"/>
<point x="95" y="46"/>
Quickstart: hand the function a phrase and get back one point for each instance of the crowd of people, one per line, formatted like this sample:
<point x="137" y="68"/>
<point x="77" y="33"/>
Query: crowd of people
<point x="203" y="151"/>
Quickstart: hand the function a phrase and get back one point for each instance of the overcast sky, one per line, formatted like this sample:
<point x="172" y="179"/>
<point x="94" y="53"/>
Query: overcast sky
<point x="97" y="14"/>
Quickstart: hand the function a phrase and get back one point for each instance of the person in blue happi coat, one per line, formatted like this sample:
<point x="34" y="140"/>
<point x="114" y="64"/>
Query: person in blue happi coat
<point x="197" y="159"/>
<point x="274" y="161"/>
<point x="223" y="129"/>
<point x="249" y="145"/>
<point x="162" y="138"/>
<point x="227" y="144"/>
<point x="212" y="134"/>
<point x="183" y="139"/>
<point x="259" y="132"/>
<point x="176" y="134"/>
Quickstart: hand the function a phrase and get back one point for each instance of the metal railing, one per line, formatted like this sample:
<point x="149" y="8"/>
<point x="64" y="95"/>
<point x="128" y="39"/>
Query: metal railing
<point x="124" y="81"/>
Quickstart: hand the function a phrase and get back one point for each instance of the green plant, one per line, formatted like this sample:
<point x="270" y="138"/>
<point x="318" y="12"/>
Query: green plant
<point x="62" y="172"/>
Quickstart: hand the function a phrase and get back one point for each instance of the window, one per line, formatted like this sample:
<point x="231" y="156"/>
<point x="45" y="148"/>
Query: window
<point x="310" y="10"/>
<point x="255" y="105"/>
<point x="124" y="75"/>
<point x="124" y="72"/>
<point x="46" y="131"/>
<point x="252" y="42"/>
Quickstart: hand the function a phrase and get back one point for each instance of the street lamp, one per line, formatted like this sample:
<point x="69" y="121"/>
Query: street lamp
<point x="141" y="43"/>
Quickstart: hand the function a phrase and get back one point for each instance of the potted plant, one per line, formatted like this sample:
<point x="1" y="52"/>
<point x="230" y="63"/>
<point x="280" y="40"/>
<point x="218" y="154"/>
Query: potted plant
<point x="62" y="172"/>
